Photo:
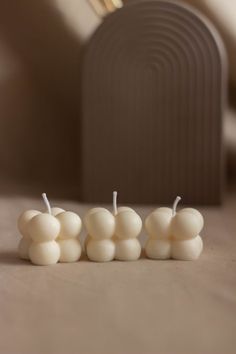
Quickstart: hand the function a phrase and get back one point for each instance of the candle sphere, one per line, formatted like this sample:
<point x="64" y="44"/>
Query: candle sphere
<point x="158" y="222"/>
<point x="100" y="223"/>
<point x="186" y="224"/>
<point x="128" y="224"/>
<point x="125" y="208"/>
<point x="44" y="227"/>
<point x="195" y="212"/>
<point x="187" y="250"/>
<point x="23" y="221"/>
<point x="128" y="249"/>
<point x="101" y="250"/>
<point x="70" y="250"/>
<point x="55" y="211"/>
<point x="44" y="253"/>
<point x="70" y="225"/>
<point x="158" y="248"/>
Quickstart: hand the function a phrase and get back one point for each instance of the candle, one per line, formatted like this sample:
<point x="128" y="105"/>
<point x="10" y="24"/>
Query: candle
<point x="50" y="236"/>
<point x="113" y="235"/>
<point x="174" y="234"/>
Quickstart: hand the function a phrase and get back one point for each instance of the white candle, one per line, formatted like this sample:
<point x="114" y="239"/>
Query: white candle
<point x="50" y="236"/>
<point x="174" y="234"/>
<point x="112" y="235"/>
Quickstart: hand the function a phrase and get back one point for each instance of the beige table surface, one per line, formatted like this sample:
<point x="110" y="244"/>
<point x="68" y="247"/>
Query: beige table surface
<point x="138" y="307"/>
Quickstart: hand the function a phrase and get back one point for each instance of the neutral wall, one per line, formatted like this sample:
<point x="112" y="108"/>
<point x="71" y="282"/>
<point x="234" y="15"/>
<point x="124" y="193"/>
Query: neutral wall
<point x="40" y="43"/>
<point x="222" y="14"/>
<point x="40" y="49"/>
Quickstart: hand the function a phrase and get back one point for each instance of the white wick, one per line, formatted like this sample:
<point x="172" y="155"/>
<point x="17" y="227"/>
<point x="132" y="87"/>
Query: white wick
<point x="177" y="199"/>
<point x="114" y="202"/>
<point x="46" y="201"/>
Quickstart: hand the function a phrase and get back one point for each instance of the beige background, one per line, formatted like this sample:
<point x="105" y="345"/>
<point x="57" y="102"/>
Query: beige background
<point x="40" y="53"/>
<point x="40" y="44"/>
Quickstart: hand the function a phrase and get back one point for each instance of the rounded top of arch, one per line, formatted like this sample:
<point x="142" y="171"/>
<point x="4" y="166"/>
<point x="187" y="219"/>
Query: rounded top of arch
<point x="150" y="13"/>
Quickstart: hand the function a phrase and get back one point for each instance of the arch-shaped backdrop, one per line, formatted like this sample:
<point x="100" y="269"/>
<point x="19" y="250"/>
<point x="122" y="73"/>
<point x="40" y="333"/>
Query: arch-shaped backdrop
<point x="153" y="88"/>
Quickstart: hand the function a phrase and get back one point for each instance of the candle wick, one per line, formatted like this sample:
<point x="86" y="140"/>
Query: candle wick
<point x="115" y="203"/>
<point x="46" y="201"/>
<point x="177" y="199"/>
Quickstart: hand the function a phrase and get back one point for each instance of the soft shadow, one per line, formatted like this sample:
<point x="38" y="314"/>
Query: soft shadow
<point x="11" y="258"/>
<point x="143" y="254"/>
<point x="83" y="257"/>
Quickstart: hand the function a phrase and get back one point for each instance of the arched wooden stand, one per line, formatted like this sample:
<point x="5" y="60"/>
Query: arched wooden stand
<point x="153" y="89"/>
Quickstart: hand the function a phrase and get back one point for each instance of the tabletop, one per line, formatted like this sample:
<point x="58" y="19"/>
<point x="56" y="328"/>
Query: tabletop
<point x="145" y="306"/>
